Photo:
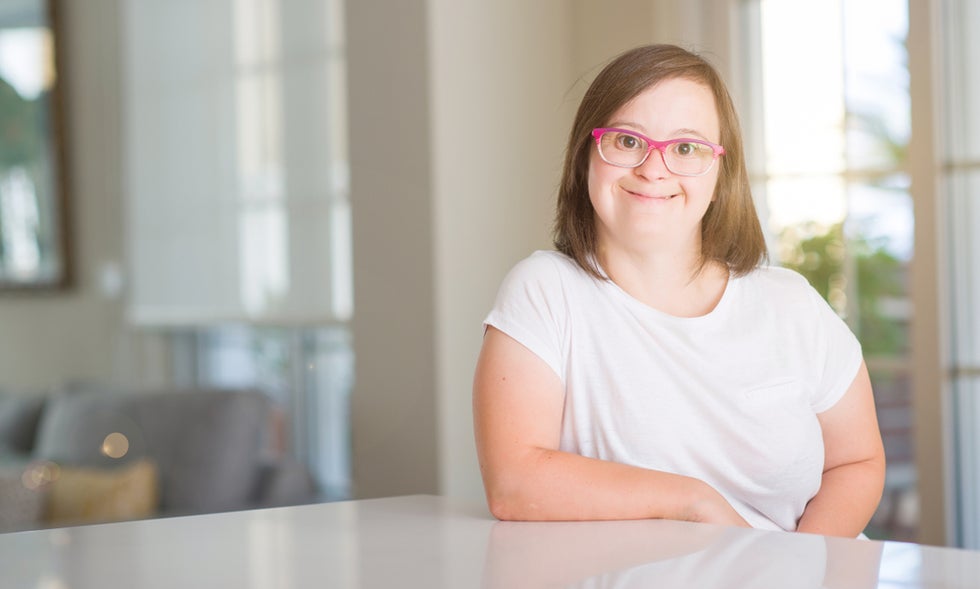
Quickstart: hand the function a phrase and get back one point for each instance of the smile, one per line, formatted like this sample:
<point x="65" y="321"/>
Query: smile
<point x="650" y="197"/>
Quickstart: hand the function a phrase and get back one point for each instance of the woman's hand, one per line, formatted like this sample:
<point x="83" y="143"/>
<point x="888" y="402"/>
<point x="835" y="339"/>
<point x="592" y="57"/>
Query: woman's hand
<point x="710" y="507"/>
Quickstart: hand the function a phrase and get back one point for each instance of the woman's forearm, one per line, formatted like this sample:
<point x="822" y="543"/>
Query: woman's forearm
<point x="550" y="485"/>
<point x="848" y="497"/>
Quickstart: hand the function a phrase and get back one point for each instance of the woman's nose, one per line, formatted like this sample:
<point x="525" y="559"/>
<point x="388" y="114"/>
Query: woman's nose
<point x="654" y="166"/>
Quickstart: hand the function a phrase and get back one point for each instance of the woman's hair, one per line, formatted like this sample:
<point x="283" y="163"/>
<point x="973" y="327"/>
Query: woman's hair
<point x="730" y="230"/>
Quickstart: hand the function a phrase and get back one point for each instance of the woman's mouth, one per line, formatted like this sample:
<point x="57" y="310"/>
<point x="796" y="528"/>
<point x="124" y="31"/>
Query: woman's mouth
<point x="651" y="196"/>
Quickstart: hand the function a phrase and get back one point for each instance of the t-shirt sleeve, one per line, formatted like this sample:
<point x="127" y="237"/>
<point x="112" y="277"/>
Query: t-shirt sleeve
<point x="838" y="355"/>
<point x="531" y="308"/>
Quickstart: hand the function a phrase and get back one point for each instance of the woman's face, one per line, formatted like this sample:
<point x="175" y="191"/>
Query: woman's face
<point x="648" y="206"/>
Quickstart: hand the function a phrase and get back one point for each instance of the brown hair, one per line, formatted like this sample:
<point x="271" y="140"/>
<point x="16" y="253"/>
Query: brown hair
<point x="730" y="230"/>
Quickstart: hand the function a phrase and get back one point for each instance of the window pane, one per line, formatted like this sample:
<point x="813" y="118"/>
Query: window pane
<point x="962" y="79"/>
<point x="802" y="73"/>
<point x="964" y="271"/>
<point x="897" y="516"/>
<point x="966" y="416"/>
<point x="796" y="200"/>
<point x="877" y="83"/>
<point x="879" y="232"/>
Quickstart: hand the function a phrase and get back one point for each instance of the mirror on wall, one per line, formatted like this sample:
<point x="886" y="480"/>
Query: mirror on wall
<point x="33" y="200"/>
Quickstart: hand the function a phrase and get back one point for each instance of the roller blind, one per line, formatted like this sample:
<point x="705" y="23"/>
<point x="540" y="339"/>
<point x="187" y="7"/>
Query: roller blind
<point x="235" y="162"/>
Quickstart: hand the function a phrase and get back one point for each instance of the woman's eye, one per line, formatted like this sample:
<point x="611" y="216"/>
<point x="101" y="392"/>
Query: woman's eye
<point x="687" y="149"/>
<point x="628" y="142"/>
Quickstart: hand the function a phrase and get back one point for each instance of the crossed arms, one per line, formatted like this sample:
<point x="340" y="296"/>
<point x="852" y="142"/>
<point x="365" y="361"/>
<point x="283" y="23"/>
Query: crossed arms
<point x="517" y="406"/>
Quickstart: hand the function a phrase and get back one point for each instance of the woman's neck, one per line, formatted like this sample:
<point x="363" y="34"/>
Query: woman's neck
<point x="673" y="282"/>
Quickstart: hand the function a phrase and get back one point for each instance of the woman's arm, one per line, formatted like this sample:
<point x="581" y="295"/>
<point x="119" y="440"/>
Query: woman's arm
<point x="854" y="465"/>
<point x="517" y="407"/>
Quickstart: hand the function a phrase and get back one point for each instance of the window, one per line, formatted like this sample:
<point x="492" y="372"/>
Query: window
<point x="828" y="128"/>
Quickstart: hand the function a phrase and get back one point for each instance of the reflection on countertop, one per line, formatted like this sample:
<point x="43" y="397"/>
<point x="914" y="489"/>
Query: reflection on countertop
<point x="672" y="554"/>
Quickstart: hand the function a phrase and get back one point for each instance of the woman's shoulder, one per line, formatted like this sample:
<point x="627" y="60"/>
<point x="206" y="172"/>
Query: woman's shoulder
<point x="544" y="276"/>
<point x="778" y="277"/>
<point x="780" y="282"/>
<point x="545" y="265"/>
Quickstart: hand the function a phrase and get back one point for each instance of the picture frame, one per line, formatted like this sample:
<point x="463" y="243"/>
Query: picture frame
<point x="34" y="236"/>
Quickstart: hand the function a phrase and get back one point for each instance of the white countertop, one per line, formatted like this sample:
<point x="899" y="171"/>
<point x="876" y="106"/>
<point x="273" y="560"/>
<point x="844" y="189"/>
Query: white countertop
<point x="425" y="541"/>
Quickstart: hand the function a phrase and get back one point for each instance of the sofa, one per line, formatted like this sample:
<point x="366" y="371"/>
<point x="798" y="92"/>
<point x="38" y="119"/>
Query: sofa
<point x="86" y="457"/>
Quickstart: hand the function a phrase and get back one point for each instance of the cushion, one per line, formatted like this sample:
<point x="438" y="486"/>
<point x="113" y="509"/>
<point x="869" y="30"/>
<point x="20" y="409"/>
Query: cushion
<point x="91" y="495"/>
<point x="207" y="445"/>
<point x="21" y="505"/>
<point x="19" y="416"/>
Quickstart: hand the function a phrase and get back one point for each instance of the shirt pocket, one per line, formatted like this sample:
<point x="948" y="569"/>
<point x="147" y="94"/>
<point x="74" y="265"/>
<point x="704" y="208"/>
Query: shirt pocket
<point x="780" y="391"/>
<point x="778" y="407"/>
<point x="782" y="436"/>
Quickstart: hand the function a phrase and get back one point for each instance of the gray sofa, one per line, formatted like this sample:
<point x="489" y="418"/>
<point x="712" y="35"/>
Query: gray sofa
<point x="211" y="450"/>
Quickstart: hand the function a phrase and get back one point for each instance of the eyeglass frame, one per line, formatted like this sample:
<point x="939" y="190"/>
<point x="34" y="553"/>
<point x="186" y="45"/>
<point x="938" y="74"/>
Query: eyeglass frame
<point x="716" y="150"/>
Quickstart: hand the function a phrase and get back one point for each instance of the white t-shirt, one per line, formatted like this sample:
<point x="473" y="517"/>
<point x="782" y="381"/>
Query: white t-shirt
<point x="730" y="398"/>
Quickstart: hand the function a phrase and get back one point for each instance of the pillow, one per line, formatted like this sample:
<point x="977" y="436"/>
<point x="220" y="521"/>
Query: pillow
<point x="90" y="495"/>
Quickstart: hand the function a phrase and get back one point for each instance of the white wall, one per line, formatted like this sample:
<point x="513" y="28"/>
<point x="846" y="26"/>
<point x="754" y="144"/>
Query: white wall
<point x="500" y="72"/>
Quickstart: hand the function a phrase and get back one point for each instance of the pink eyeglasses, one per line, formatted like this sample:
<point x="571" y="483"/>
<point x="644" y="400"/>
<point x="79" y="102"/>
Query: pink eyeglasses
<point x="629" y="149"/>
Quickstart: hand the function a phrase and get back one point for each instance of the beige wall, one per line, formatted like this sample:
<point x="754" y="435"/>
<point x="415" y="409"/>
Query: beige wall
<point x="394" y="419"/>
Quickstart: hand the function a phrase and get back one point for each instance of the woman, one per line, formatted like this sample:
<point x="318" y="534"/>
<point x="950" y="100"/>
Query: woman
<point x="651" y="367"/>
